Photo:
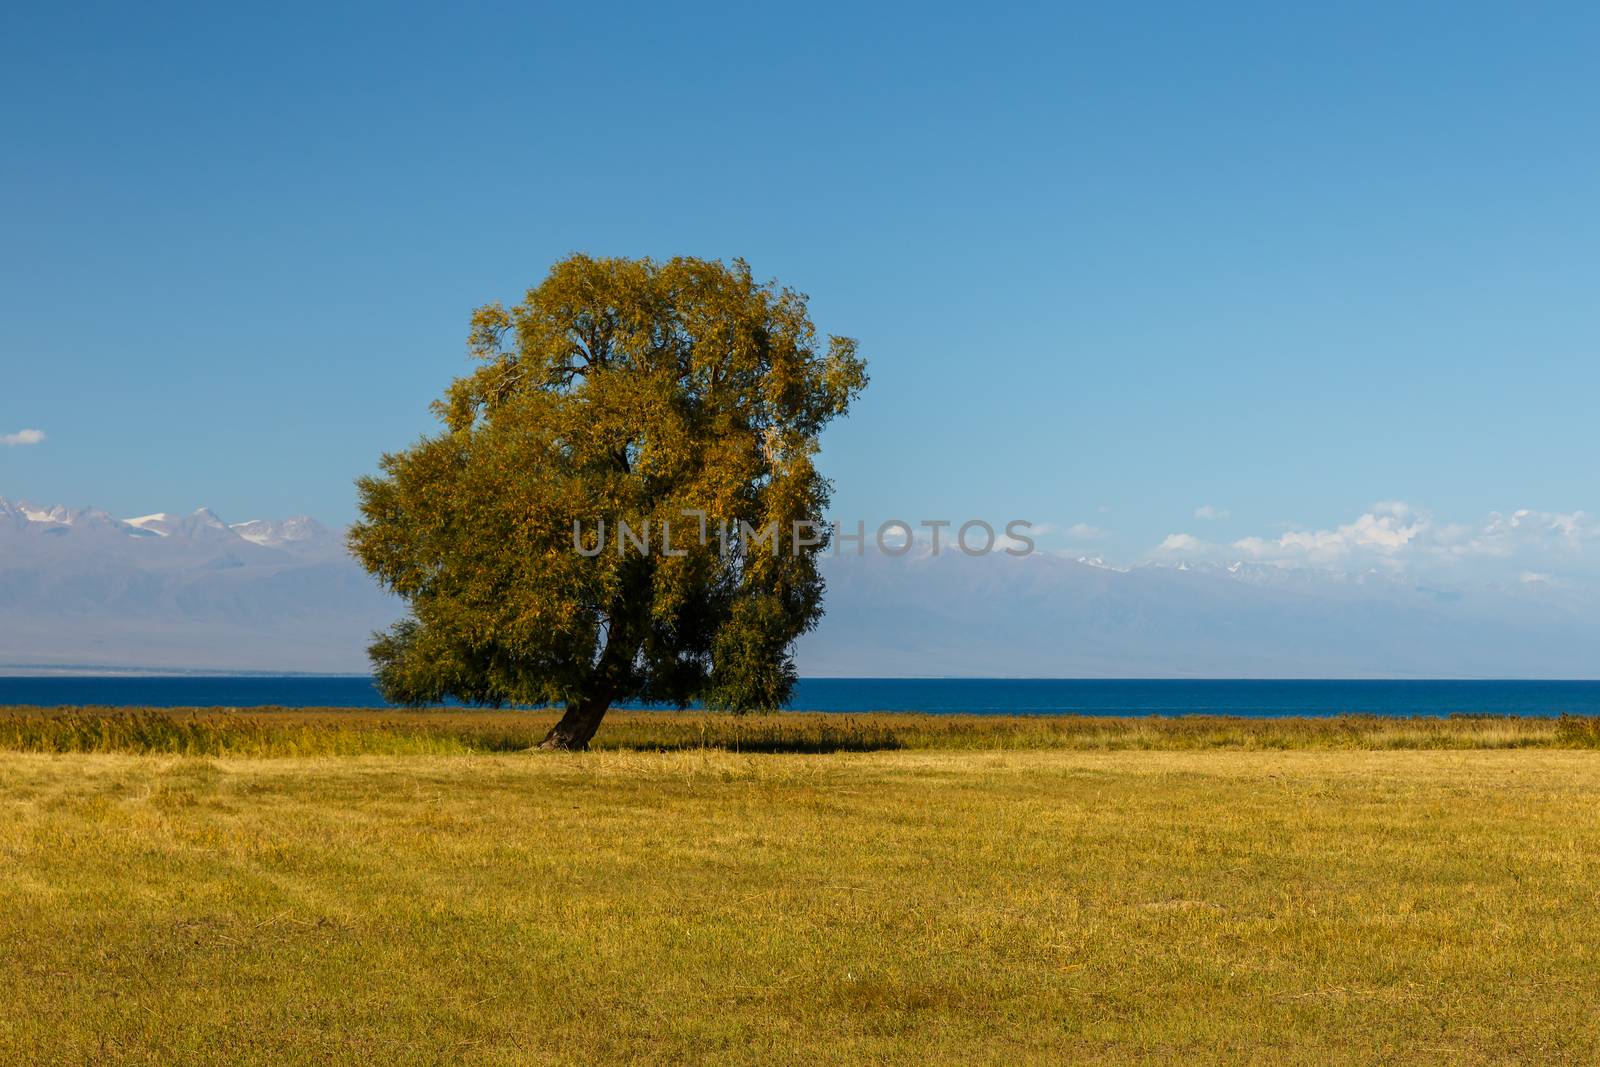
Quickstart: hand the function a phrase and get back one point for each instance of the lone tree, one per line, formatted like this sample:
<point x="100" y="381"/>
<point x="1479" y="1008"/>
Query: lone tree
<point x="682" y="400"/>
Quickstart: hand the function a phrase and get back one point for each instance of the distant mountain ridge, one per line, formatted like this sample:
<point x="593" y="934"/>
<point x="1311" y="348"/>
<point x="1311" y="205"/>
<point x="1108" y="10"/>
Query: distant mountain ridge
<point x="296" y="532"/>
<point x="79" y="586"/>
<point x="1049" y="616"/>
<point x="83" y="590"/>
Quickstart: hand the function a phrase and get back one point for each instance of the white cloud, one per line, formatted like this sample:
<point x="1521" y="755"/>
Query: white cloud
<point x="1506" y="535"/>
<point x="1082" y="531"/>
<point x="22" y="437"/>
<point x="1397" y="537"/>
<point x="1182" y="542"/>
<point x="1387" y="530"/>
<point x="1210" y="511"/>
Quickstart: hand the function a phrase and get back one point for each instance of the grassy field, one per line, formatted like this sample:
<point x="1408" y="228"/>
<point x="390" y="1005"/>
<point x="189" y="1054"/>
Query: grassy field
<point x="1191" y="891"/>
<point x="349" y="732"/>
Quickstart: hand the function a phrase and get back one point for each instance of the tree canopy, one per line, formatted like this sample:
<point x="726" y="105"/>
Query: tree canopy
<point x="678" y="399"/>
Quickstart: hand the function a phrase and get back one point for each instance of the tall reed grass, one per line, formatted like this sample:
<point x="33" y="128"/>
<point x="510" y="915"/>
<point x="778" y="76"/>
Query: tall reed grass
<point x="272" y="732"/>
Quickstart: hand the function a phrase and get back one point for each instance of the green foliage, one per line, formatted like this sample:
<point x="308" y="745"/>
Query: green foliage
<point x="618" y="391"/>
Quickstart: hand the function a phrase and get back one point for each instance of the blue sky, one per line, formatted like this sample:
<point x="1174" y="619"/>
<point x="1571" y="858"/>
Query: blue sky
<point x="1110" y="265"/>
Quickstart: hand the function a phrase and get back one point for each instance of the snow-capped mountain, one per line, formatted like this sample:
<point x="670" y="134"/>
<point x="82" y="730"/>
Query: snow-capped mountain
<point x="19" y="515"/>
<point x="299" y="531"/>
<point x="80" y="588"/>
<point x="1047" y="616"/>
<point x="202" y="522"/>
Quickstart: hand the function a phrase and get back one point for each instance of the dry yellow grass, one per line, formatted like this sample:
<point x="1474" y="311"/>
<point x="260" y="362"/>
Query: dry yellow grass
<point x="904" y="906"/>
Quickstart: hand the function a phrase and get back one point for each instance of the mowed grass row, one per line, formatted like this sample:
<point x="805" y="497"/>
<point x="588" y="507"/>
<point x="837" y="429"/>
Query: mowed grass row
<point x="890" y="907"/>
<point x="346" y="731"/>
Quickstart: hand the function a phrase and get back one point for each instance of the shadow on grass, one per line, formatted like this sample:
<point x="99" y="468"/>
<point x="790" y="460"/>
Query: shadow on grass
<point x="760" y="738"/>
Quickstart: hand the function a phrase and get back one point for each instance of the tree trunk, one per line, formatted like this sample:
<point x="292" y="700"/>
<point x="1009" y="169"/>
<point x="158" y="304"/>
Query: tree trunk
<point x="608" y="679"/>
<point x="575" y="729"/>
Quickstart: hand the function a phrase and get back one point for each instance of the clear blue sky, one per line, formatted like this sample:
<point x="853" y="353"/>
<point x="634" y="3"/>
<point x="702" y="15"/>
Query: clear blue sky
<point x="1109" y="265"/>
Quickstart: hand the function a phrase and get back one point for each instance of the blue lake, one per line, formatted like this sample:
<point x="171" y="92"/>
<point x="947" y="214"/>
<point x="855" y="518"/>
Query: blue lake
<point x="984" y="696"/>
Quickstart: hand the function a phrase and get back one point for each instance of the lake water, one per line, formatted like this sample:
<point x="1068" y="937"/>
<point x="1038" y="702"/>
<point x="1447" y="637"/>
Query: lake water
<point x="984" y="696"/>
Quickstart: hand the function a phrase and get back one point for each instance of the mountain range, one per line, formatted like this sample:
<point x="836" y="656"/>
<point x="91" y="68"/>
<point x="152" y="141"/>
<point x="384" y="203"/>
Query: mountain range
<point x="83" y="591"/>
<point x="1046" y="616"/>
